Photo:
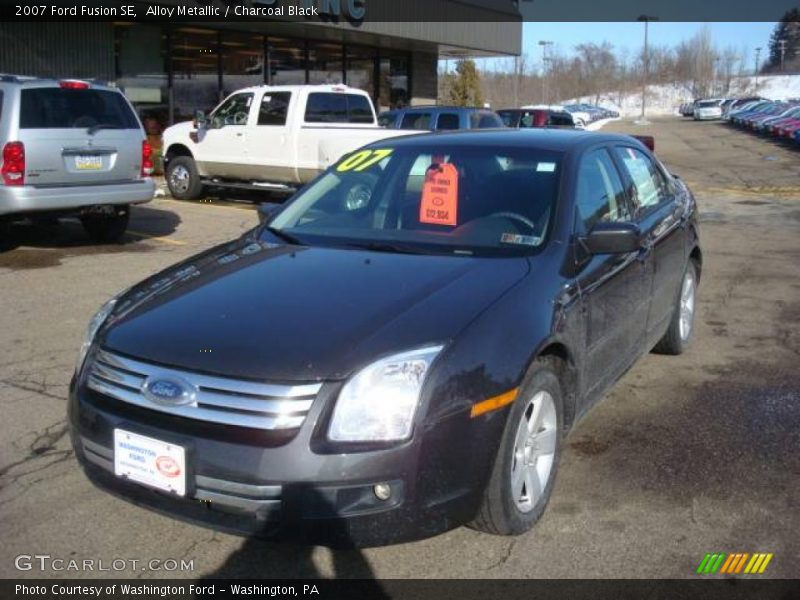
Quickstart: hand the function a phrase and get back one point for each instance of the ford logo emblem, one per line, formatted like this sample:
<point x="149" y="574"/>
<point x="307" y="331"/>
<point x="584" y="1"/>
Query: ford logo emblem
<point x="169" y="391"/>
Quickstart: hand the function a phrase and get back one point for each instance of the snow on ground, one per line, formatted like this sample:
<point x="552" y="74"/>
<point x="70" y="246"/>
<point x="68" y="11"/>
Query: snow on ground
<point x="665" y="99"/>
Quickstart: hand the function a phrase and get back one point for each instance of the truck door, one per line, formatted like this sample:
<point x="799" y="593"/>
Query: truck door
<point x="223" y="147"/>
<point x="658" y="214"/>
<point x="269" y="149"/>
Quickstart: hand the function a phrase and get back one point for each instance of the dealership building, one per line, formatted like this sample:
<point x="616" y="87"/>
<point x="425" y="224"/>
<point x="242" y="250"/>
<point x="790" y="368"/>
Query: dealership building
<point x="170" y="69"/>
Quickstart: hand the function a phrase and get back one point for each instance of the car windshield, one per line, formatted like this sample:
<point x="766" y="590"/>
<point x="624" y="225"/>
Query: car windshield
<point x="428" y="199"/>
<point x="708" y="103"/>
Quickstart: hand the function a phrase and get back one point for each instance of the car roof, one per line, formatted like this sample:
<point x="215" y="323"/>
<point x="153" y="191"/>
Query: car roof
<point x="338" y="88"/>
<point x="556" y="140"/>
<point x="428" y="107"/>
<point x="44" y="82"/>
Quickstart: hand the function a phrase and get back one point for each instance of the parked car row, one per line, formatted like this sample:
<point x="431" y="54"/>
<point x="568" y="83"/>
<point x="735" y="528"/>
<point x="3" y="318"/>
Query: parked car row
<point x="706" y="109"/>
<point x="778" y="119"/>
<point x="590" y="113"/>
<point x="437" y="118"/>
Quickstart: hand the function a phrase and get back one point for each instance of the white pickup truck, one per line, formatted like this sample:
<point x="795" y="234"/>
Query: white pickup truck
<point x="274" y="138"/>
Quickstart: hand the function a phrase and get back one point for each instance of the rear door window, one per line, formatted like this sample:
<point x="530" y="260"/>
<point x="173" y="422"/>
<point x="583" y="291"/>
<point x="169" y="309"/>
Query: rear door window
<point x="327" y="107"/>
<point x="485" y="120"/>
<point x="416" y="120"/>
<point x="447" y="121"/>
<point x="63" y="108"/>
<point x="274" y="108"/>
<point x="649" y="184"/>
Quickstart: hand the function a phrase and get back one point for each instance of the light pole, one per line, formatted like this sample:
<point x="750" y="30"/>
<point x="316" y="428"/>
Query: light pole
<point x="782" y="45"/>
<point x="646" y="70"/>
<point x="544" y="44"/>
<point x="755" y="69"/>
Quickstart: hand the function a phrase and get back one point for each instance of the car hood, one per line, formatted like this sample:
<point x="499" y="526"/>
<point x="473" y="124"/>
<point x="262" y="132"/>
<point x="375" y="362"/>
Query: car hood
<point x="257" y="310"/>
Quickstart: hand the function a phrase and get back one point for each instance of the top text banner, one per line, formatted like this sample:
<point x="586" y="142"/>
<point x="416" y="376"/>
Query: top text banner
<point x="355" y="12"/>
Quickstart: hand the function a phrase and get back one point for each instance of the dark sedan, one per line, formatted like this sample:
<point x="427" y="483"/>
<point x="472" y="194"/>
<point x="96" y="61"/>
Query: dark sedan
<point x="401" y="348"/>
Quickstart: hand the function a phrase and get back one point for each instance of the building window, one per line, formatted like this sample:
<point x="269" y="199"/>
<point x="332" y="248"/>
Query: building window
<point x="195" y="71"/>
<point x="242" y="60"/>
<point x="394" y="81"/>
<point x="140" y="52"/>
<point x="286" y="63"/>
<point x="325" y="63"/>
<point x="360" y="71"/>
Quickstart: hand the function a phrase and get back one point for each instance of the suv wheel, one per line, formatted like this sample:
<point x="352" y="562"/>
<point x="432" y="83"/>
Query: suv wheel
<point x="183" y="179"/>
<point x="681" y="326"/>
<point x="524" y="471"/>
<point x="107" y="227"/>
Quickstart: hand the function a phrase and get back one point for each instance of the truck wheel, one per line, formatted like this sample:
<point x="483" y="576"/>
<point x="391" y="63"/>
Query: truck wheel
<point x="681" y="325"/>
<point x="524" y="470"/>
<point x="183" y="179"/>
<point x="107" y="228"/>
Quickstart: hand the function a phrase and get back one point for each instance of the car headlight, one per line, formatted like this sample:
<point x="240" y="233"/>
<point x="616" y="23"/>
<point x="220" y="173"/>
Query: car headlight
<point x="378" y="403"/>
<point x="91" y="330"/>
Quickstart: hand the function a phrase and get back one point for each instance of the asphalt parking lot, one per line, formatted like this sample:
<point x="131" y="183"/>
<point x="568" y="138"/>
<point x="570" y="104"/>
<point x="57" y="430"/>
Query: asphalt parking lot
<point x="687" y="455"/>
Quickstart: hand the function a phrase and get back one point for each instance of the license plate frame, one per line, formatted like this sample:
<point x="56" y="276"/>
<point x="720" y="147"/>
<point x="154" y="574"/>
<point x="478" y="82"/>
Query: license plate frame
<point x="88" y="162"/>
<point x="151" y="462"/>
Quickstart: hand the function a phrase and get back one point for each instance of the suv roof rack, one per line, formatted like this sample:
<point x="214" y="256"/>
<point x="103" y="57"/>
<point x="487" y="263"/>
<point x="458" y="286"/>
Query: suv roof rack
<point x="11" y="78"/>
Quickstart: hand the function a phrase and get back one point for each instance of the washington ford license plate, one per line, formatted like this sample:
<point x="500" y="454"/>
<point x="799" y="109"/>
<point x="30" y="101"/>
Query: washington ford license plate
<point x="151" y="462"/>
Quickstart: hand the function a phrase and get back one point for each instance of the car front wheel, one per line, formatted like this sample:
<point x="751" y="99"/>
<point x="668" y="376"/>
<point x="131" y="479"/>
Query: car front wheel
<point x="524" y="471"/>
<point x="183" y="179"/>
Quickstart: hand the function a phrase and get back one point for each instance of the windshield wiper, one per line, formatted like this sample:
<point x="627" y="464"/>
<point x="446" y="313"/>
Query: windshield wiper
<point x="383" y="247"/>
<point x="286" y="237"/>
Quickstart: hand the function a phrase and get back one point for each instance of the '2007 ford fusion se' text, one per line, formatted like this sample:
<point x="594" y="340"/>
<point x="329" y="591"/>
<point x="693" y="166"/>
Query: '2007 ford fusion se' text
<point x="399" y="349"/>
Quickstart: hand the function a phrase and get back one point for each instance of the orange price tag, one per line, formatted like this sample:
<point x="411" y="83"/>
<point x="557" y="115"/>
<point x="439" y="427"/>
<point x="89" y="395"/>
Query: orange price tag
<point x="439" y="203"/>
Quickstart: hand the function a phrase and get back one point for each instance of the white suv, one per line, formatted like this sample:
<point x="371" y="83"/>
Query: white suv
<point x="71" y="148"/>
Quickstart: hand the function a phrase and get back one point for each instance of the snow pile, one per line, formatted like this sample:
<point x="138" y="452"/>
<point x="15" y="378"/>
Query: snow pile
<point x="665" y="99"/>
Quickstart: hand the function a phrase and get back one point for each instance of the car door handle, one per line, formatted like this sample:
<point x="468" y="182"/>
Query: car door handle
<point x="240" y="134"/>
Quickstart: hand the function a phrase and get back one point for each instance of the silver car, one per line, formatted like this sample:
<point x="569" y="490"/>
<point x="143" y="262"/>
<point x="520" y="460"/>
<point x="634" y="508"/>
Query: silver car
<point x="71" y="148"/>
<point x="706" y="110"/>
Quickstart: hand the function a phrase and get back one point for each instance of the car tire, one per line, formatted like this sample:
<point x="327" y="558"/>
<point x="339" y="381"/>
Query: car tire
<point x="508" y="507"/>
<point x="107" y="228"/>
<point x="183" y="179"/>
<point x="681" y="326"/>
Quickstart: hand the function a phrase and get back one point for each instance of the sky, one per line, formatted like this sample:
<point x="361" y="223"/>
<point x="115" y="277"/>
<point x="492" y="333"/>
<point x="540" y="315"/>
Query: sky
<point x="742" y="36"/>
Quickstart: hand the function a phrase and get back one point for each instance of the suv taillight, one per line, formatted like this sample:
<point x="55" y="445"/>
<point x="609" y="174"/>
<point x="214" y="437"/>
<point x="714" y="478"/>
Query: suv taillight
<point x="147" y="159"/>
<point x="13" y="169"/>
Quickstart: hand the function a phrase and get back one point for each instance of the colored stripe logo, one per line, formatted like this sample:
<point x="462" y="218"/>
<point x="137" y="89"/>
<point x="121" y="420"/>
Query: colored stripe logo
<point x="734" y="563"/>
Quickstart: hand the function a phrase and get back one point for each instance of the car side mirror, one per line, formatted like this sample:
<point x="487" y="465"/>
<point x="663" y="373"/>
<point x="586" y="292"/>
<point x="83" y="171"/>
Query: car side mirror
<point x="200" y="119"/>
<point x="612" y="238"/>
<point x="267" y="210"/>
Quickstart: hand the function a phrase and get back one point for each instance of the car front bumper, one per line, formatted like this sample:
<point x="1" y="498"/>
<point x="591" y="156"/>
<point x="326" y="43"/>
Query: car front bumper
<point x="32" y="199"/>
<point x="286" y="489"/>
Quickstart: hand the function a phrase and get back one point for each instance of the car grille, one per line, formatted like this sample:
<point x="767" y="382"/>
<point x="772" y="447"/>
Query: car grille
<point x="218" y="400"/>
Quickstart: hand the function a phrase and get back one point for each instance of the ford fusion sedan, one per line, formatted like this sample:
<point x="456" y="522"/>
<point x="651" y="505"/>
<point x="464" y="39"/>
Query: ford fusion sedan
<point x="398" y="350"/>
